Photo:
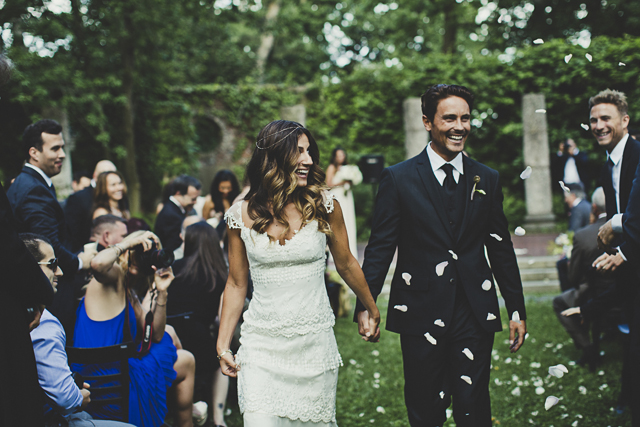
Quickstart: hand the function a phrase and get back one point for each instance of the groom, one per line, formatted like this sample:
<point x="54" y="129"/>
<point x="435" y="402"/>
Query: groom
<point x="440" y="209"/>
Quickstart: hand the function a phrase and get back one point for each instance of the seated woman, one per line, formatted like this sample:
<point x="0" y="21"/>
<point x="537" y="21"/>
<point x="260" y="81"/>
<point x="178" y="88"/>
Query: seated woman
<point x="110" y="313"/>
<point x="193" y="306"/>
<point x="110" y="195"/>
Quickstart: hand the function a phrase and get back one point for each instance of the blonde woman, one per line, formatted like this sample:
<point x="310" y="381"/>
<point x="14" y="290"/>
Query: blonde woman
<point x="287" y="364"/>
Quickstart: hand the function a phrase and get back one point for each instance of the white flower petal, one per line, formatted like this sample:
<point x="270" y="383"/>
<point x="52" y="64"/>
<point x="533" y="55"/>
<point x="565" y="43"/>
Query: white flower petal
<point x="539" y="390"/>
<point x="582" y="389"/>
<point x="440" y="267"/>
<point x="402" y="308"/>
<point x="515" y="316"/>
<point x="431" y="339"/>
<point x="439" y="322"/>
<point x="558" y="370"/>
<point x="407" y="278"/>
<point x="353" y="361"/>
<point x="453" y="255"/>
<point x="564" y="187"/>
<point x="526" y="173"/>
<point x="495" y="236"/>
<point x="538" y="41"/>
<point x="468" y="353"/>
<point x="376" y="375"/>
<point x="567" y="58"/>
<point x="550" y="402"/>
<point x="621" y="64"/>
<point x="575" y="423"/>
<point x="516" y="391"/>
<point x="486" y="285"/>
<point x="541" y="111"/>
<point x="491" y="316"/>
<point x="519" y="231"/>
<point x="375" y="353"/>
<point x="584" y="126"/>
<point x="380" y="409"/>
<point x="466" y="379"/>
<point x="588" y="56"/>
<point x="442" y="395"/>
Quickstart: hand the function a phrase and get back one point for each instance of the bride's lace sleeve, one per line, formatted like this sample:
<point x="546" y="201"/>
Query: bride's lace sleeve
<point x="328" y="199"/>
<point x="233" y="217"/>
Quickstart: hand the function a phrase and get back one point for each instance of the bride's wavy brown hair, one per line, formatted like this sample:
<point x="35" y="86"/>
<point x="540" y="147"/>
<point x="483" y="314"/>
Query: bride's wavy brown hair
<point x="271" y="173"/>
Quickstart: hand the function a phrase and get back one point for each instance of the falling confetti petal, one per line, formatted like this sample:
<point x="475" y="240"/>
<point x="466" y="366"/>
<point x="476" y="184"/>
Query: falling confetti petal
<point x="375" y="353"/>
<point x="439" y="322"/>
<point x="621" y="64"/>
<point x="567" y="58"/>
<point x="442" y="395"/>
<point x="491" y="316"/>
<point x="515" y="316"/>
<point x="407" y="278"/>
<point x="550" y="402"/>
<point x="541" y="111"/>
<point x="516" y="391"/>
<point x="574" y="424"/>
<point x="402" y="308"/>
<point x="564" y="187"/>
<point x="453" y="255"/>
<point x="558" y="370"/>
<point x="539" y="390"/>
<point x="582" y="389"/>
<point x="353" y="361"/>
<point x="431" y="339"/>
<point x="440" y="267"/>
<point x="519" y="231"/>
<point x="376" y="375"/>
<point x="584" y="126"/>
<point x="588" y="56"/>
<point x="538" y="41"/>
<point x="466" y="379"/>
<point x="495" y="236"/>
<point x="526" y="173"/>
<point x="468" y="353"/>
<point x="380" y="409"/>
<point x="486" y="285"/>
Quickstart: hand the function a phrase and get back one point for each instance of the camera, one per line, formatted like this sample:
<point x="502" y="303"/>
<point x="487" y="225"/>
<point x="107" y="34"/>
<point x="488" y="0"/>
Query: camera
<point x="158" y="258"/>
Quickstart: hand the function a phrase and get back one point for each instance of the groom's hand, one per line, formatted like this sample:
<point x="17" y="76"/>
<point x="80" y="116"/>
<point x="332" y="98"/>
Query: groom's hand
<point x="366" y="327"/>
<point x="517" y="331"/>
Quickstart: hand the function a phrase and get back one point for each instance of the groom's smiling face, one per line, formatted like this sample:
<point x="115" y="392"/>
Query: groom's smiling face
<point x="450" y="128"/>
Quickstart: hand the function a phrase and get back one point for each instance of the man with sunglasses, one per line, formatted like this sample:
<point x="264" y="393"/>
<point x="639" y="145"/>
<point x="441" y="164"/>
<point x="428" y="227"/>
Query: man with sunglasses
<point x="65" y="401"/>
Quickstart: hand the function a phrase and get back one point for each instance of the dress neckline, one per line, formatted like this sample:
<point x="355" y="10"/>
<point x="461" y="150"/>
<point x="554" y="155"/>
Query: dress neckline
<point x="271" y="238"/>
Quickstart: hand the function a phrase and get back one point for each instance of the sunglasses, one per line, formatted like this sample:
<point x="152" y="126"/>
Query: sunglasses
<point x="53" y="264"/>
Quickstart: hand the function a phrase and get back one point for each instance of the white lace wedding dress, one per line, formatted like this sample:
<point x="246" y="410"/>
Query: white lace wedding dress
<point x="288" y="355"/>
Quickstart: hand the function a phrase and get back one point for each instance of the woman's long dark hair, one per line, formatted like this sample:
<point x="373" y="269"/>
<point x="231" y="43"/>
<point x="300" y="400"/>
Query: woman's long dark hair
<point x="214" y="192"/>
<point x="332" y="161"/>
<point x="101" y="196"/>
<point x="203" y="254"/>
<point x="272" y="174"/>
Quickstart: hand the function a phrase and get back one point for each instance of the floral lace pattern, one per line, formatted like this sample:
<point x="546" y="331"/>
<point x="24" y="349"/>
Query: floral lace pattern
<point x="288" y="352"/>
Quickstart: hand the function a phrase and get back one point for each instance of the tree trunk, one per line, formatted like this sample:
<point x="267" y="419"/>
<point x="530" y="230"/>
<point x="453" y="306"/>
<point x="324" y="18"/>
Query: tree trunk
<point x="128" y="116"/>
<point x="267" y="38"/>
<point x="450" y="27"/>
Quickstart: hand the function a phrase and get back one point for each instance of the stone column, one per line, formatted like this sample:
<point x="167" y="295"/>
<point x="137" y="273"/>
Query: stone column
<point x="294" y="113"/>
<point x="415" y="135"/>
<point x="62" y="181"/>
<point x="536" y="154"/>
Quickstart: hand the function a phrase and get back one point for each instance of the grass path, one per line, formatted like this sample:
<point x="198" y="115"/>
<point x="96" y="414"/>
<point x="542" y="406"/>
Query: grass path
<point x="370" y="387"/>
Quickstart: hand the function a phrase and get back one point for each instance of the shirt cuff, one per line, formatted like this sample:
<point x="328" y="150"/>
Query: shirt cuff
<point x="621" y="254"/>
<point x="80" y="264"/>
<point x="616" y="223"/>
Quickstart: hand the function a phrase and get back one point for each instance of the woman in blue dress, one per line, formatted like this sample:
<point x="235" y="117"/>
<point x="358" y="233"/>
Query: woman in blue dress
<point x="102" y="318"/>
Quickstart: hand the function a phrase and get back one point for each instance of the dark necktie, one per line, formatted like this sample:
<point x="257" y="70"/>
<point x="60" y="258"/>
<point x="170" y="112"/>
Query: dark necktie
<point x="53" y="191"/>
<point x="610" y="167"/>
<point x="449" y="183"/>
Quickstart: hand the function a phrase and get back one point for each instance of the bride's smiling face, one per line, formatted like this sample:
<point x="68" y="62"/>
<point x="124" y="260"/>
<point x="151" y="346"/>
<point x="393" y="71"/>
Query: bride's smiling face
<point x="304" y="161"/>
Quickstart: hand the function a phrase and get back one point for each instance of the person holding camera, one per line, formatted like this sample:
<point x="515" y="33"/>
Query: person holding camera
<point x="65" y="400"/>
<point x="111" y="313"/>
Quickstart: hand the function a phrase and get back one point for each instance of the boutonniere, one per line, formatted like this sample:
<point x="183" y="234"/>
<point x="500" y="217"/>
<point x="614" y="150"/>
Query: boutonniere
<point x="476" y="180"/>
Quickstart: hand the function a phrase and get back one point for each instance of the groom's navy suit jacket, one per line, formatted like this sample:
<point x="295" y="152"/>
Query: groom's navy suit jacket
<point x="410" y="215"/>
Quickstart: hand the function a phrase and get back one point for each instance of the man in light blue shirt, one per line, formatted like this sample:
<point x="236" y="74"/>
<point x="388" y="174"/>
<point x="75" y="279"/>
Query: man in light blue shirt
<point x="65" y="401"/>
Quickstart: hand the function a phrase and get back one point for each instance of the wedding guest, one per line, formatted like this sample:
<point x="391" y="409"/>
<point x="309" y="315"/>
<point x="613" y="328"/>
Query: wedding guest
<point x="224" y="189"/>
<point x="186" y="190"/>
<point x="288" y="353"/>
<point x="340" y="178"/>
<point x="110" y="195"/>
<point x="81" y="180"/>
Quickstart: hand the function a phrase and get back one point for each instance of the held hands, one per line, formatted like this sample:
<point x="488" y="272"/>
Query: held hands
<point x="607" y="262"/>
<point x="571" y="311"/>
<point x="229" y="366"/>
<point x="605" y="238"/>
<point x="369" y="326"/>
<point x="517" y="331"/>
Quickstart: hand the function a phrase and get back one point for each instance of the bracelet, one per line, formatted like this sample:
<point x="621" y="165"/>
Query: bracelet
<point x="119" y="249"/>
<point x="225" y="352"/>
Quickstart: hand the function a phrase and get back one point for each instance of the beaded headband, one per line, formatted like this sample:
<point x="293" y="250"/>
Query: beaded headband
<point x="278" y="141"/>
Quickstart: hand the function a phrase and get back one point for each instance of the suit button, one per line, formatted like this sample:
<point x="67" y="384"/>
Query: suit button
<point x="452" y="280"/>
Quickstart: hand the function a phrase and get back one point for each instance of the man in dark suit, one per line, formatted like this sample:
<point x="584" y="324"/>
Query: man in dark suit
<point x="77" y="210"/>
<point x="579" y="207"/>
<point x="36" y="209"/>
<point x="440" y="209"/>
<point x="186" y="190"/>
<point x="23" y="287"/>
<point x="583" y="283"/>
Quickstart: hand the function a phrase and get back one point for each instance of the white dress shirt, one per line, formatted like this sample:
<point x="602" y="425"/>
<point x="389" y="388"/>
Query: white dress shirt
<point x="437" y="162"/>
<point x="41" y="172"/>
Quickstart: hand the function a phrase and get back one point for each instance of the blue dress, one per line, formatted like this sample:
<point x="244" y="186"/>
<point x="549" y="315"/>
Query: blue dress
<point x="150" y="375"/>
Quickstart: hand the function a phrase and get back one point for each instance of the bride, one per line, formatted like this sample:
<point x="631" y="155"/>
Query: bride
<point x="287" y="364"/>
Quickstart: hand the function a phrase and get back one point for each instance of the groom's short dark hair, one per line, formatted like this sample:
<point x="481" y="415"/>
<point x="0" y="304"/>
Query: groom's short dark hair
<point x="435" y="93"/>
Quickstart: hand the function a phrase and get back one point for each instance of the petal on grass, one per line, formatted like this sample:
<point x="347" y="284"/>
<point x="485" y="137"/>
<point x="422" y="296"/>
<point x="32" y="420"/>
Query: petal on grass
<point x="380" y="409"/>
<point x="516" y="391"/>
<point x="440" y="267"/>
<point x="550" y="402"/>
<point x="558" y="370"/>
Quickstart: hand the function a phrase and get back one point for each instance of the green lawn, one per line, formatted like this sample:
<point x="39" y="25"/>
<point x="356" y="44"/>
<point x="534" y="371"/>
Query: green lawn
<point x="370" y="388"/>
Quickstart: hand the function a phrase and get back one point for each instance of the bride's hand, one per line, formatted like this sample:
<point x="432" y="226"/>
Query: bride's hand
<point x="229" y="366"/>
<point x="374" y="326"/>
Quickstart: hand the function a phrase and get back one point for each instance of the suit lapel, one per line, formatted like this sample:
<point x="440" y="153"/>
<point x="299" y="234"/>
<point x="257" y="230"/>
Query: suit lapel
<point x="626" y="174"/>
<point x="470" y="205"/>
<point x="430" y="183"/>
